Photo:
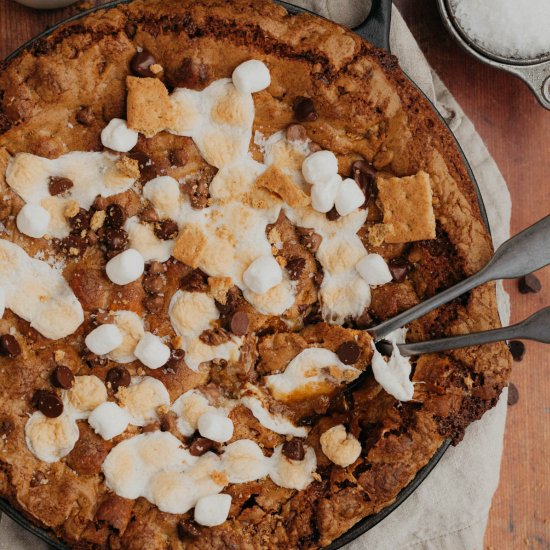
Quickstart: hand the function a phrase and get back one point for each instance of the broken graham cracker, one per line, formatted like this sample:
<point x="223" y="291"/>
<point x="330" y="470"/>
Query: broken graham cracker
<point x="149" y="109"/>
<point x="219" y="287"/>
<point x="279" y="183"/>
<point x="190" y="245"/>
<point x="408" y="211"/>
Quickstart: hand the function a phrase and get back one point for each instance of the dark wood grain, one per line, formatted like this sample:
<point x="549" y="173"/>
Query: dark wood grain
<point x="517" y="132"/>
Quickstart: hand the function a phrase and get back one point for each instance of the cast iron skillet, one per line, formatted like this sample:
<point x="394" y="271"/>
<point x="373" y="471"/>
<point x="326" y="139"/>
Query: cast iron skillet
<point x="376" y="30"/>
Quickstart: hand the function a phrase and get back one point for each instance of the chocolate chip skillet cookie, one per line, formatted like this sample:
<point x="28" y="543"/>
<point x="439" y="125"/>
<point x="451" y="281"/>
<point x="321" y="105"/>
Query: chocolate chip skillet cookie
<point x="202" y="205"/>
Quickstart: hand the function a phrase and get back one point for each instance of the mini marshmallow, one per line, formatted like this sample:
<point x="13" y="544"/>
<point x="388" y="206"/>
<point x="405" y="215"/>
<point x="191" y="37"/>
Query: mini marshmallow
<point x="349" y="197"/>
<point x="126" y="267"/>
<point x="324" y="194"/>
<point x="118" y="137"/>
<point x="212" y="510"/>
<point x="263" y="274"/>
<point x="33" y="220"/>
<point x="2" y="302"/>
<point x="251" y="76"/>
<point x="320" y="167"/>
<point x="215" y="426"/>
<point x="151" y="351"/>
<point x="108" y="420"/>
<point x="374" y="269"/>
<point x="103" y="339"/>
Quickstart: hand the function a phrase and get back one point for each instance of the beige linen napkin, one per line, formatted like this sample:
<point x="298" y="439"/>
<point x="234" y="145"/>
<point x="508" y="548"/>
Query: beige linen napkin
<point x="449" y="510"/>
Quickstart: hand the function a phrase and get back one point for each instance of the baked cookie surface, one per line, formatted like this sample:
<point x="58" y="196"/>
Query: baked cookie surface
<point x="215" y="375"/>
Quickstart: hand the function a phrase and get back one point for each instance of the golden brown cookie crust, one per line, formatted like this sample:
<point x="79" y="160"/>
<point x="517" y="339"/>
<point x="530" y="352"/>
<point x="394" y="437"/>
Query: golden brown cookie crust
<point x="367" y="109"/>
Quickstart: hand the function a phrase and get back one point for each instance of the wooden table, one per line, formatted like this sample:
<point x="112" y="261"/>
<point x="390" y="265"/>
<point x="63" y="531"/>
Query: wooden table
<point x="517" y="132"/>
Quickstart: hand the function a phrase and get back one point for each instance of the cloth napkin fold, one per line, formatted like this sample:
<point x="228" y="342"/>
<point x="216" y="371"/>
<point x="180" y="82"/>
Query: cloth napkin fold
<point x="450" y="508"/>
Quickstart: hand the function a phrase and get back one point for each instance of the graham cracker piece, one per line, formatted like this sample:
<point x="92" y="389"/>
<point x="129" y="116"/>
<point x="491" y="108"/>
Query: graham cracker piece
<point x="190" y="245"/>
<point x="128" y="167"/>
<point x="408" y="210"/>
<point x="149" y="109"/>
<point x="219" y="286"/>
<point x="281" y="184"/>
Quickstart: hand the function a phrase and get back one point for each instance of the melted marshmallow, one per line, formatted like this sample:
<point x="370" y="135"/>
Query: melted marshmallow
<point x="38" y="293"/>
<point x="142" y="399"/>
<point x="312" y="372"/>
<point x="141" y="237"/>
<point x="190" y="407"/>
<point x="92" y="174"/>
<point x="243" y="461"/>
<point x="50" y="439"/>
<point x="292" y="474"/>
<point x="131" y="327"/>
<point x="191" y="313"/>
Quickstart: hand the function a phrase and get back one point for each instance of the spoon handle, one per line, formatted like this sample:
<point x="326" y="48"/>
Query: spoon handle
<point x="536" y="327"/>
<point x="522" y="254"/>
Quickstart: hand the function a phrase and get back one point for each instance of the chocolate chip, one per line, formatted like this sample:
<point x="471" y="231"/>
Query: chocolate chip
<point x="93" y="360"/>
<point x="115" y="216"/>
<point x="179" y="157"/>
<point x="318" y="277"/>
<point x="48" y="403"/>
<point x="73" y="245"/>
<point x="190" y="74"/>
<point x="399" y="267"/>
<point x="295" y="267"/>
<point x="310" y="239"/>
<point x="166" y="229"/>
<point x="115" y="239"/>
<point x="194" y="281"/>
<point x="153" y="284"/>
<point x="513" y="394"/>
<point x="62" y="377"/>
<point x="296" y="132"/>
<point x="517" y="349"/>
<point x="58" y="186"/>
<point x="6" y="426"/>
<point x="141" y="63"/>
<point x="363" y="174"/>
<point x="149" y="215"/>
<point x="156" y="267"/>
<point x="9" y="346"/>
<point x="200" y="446"/>
<point x="37" y="479"/>
<point x="167" y="422"/>
<point x="529" y="284"/>
<point x="187" y="529"/>
<point x="154" y="304"/>
<point x="80" y="222"/>
<point x="348" y="352"/>
<point x="85" y="116"/>
<point x="304" y="109"/>
<point x="385" y="347"/>
<point x="147" y="166"/>
<point x="332" y="215"/>
<point x="239" y="323"/>
<point x="294" y="449"/>
<point x="175" y="362"/>
<point x="118" y="377"/>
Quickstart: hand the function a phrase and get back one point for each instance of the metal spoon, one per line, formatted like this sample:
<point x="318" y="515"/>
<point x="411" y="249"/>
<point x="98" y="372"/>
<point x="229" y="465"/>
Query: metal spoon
<point x="536" y="327"/>
<point x="522" y="254"/>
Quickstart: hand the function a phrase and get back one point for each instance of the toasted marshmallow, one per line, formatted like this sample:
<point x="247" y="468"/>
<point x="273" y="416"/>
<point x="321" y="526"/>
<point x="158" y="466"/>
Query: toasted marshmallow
<point x="263" y="274"/>
<point x="118" y="137"/>
<point x="215" y="426"/>
<point x="324" y="194"/>
<point x="292" y="474"/>
<point x="126" y="267"/>
<point x="212" y="510"/>
<point x="340" y="447"/>
<point x="151" y="351"/>
<point x="244" y="461"/>
<point x="349" y="197"/>
<point x="2" y="302"/>
<point x="103" y="339"/>
<point x="374" y="269"/>
<point x="108" y="420"/>
<point x="33" y="220"/>
<point x="251" y="76"/>
<point x="320" y="167"/>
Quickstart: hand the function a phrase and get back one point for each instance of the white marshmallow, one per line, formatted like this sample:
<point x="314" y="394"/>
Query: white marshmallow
<point x="319" y="167"/>
<point x="212" y="510"/>
<point x="104" y="339"/>
<point x="2" y="302"/>
<point x="126" y="267"/>
<point x="33" y="220"/>
<point x="349" y="197"/>
<point x="324" y="194"/>
<point x="263" y="274"/>
<point x="215" y="426"/>
<point x="374" y="269"/>
<point x="151" y="351"/>
<point x="251" y="76"/>
<point x="108" y="420"/>
<point x="118" y="137"/>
